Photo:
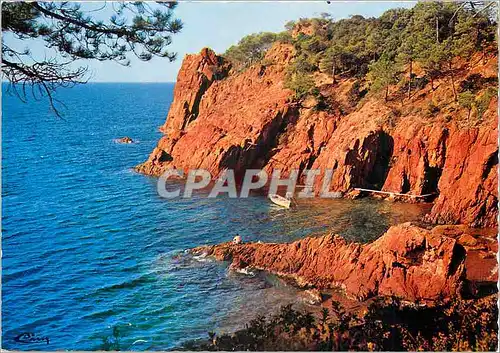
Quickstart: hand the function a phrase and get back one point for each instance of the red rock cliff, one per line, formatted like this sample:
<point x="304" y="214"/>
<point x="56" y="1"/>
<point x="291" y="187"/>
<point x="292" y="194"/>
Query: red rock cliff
<point x="223" y="119"/>
<point x="407" y="262"/>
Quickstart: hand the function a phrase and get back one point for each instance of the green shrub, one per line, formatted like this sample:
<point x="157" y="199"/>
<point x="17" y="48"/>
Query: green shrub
<point x="482" y="102"/>
<point x="472" y="83"/>
<point x="461" y="325"/>
<point x="250" y="49"/>
<point x="476" y="82"/>
<point x="466" y="100"/>
<point x="301" y="84"/>
<point x="284" y="37"/>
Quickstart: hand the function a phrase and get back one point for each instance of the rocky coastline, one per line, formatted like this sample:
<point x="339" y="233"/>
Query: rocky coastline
<point x="222" y="118"/>
<point x="417" y="141"/>
<point x="408" y="262"/>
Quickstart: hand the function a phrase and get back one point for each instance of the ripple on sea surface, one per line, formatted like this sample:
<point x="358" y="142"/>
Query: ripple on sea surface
<point x="88" y="245"/>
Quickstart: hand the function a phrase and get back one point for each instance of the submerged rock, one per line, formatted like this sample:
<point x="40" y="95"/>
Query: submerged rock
<point x="408" y="262"/>
<point x="125" y="139"/>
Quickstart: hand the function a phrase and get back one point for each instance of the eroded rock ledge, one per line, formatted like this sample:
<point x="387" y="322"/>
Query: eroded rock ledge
<point x="408" y="262"/>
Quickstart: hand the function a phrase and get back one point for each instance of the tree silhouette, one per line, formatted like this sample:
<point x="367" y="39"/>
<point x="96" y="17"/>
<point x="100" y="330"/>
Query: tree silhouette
<point x="134" y="29"/>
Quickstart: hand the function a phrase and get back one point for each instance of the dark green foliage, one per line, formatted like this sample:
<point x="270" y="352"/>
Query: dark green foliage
<point x="476" y="82"/>
<point x="387" y="326"/>
<point x="302" y="84"/>
<point x="419" y="83"/>
<point x="479" y="103"/>
<point x="383" y="73"/>
<point x="137" y="28"/>
<point x="284" y="37"/>
<point x="83" y="37"/>
<point x="483" y="100"/>
<point x="252" y="48"/>
<point x="462" y="325"/>
<point x="433" y="34"/>
<point x="472" y="83"/>
<point x="466" y="100"/>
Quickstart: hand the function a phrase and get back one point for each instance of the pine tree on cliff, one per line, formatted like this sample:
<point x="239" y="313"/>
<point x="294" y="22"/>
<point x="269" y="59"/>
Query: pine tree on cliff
<point x="437" y="37"/>
<point x="251" y="49"/>
<point x="332" y="62"/>
<point x="446" y="32"/>
<point x="383" y="73"/>
<point x="74" y="32"/>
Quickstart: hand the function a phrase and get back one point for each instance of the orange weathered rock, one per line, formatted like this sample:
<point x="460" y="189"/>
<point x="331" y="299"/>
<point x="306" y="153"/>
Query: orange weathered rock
<point x="469" y="182"/>
<point x="236" y="122"/>
<point x="223" y="119"/>
<point x="481" y="248"/>
<point x="408" y="262"/>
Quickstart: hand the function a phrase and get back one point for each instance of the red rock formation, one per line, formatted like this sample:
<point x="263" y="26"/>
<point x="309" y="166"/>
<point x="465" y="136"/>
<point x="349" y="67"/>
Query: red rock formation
<point x="460" y="164"/>
<point x="301" y="143"/>
<point x="419" y="154"/>
<point x="481" y="248"/>
<point x="469" y="182"/>
<point x="196" y="75"/>
<point x="408" y="262"/>
<point x="223" y="119"/>
<point x="237" y="121"/>
<point x="353" y="148"/>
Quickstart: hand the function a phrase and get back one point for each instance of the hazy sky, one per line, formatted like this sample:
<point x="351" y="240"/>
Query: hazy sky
<point x="219" y="25"/>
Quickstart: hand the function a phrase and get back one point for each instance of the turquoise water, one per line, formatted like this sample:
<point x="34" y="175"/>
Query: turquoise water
<point x="88" y="245"/>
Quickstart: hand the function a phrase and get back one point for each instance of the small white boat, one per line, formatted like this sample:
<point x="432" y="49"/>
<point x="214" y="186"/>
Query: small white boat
<point x="280" y="200"/>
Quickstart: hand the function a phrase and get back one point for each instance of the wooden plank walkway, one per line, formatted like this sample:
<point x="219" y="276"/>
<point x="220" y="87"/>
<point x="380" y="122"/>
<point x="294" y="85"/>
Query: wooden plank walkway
<point x="395" y="193"/>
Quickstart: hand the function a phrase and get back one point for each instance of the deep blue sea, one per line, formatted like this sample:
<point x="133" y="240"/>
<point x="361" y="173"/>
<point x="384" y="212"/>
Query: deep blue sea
<point x="89" y="246"/>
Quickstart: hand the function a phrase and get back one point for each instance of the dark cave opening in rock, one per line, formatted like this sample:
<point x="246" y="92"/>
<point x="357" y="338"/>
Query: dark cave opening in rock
<point x="431" y="181"/>
<point x="378" y="175"/>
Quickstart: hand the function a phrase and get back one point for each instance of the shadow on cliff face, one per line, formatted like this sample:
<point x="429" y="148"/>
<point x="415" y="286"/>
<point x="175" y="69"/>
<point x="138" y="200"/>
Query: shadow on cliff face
<point x="371" y="172"/>
<point x="431" y="177"/>
<point x="256" y="155"/>
<point x="383" y="157"/>
<point x="432" y="174"/>
<point x="490" y="163"/>
<point x="216" y="69"/>
<point x="233" y="158"/>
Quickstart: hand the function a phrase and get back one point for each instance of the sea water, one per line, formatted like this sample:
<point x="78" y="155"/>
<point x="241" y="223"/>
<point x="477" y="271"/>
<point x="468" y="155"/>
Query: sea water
<point x="88" y="246"/>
